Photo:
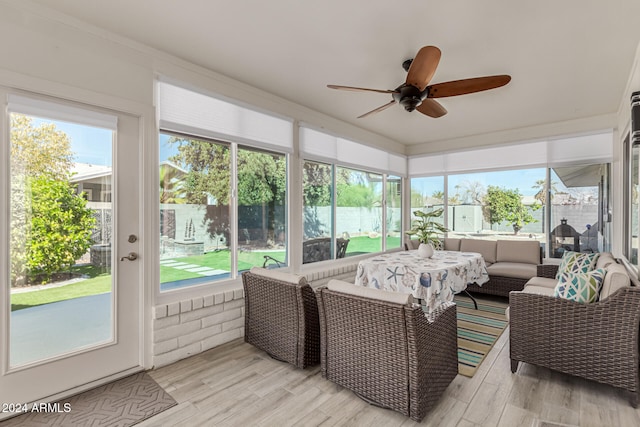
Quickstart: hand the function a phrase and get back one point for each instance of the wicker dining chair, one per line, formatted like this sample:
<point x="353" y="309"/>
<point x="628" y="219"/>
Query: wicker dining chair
<point x="281" y="316"/>
<point x="386" y="352"/>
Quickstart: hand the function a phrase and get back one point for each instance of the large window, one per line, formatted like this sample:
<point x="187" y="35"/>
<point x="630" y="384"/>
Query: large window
<point x="565" y="208"/>
<point x="359" y="210"/>
<point x="196" y="204"/>
<point x="632" y="186"/>
<point x="578" y="194"/>
<point x="195" y="177"/>
<point x="223" y="188"/>
<point x="262" y="215"/>
<point x="354" y="201"/>
<point x="497" y="204"/>
<point x="427" y="194"/>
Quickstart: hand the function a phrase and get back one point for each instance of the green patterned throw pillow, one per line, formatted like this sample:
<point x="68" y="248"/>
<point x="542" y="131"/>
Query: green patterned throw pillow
<point x="580" y="287"/>
<point x="577" y="262"/>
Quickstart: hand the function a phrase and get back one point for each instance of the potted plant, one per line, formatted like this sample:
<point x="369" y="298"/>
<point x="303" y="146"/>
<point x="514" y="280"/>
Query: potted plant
<point x="428" y="231"/>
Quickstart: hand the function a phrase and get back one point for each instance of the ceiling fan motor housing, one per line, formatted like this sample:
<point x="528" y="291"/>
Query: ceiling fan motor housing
<point x="409" y="96"/>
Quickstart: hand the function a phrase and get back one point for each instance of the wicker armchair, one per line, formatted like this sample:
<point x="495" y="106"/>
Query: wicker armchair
<point x="597" y="341"/>
<point x="387" y="352"/>
<point x="281" y="316"/>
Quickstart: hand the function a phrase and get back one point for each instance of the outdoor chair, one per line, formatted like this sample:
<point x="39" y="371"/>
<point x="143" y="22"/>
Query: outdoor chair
<point x="382" y="347"/>
<point x="597" y="341"/>
<point x="313" y="250"/>
<point x="281" y="316"/>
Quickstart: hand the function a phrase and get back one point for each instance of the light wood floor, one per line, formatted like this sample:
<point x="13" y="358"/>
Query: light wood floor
<point x="238" y="385"/>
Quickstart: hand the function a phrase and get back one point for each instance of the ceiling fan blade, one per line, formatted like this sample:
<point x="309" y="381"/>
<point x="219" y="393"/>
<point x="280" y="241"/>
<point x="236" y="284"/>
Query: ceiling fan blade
<point x="423" y="67"/>
<point x="432" y="108"/>
<point x="462" y="87"/>
<point x="361" y="89"/>
<point x="377" y="110"/>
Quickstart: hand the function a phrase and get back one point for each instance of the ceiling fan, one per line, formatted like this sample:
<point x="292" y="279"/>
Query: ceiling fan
<point x="416" y="93"/>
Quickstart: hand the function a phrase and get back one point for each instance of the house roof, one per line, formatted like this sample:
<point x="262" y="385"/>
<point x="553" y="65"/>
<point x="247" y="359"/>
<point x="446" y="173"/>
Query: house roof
<point x="570" y="60"/>
<point x="86" y="171"/>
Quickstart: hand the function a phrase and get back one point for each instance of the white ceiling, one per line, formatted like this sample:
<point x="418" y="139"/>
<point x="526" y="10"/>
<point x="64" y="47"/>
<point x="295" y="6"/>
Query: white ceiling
<point x="569" y="59"/>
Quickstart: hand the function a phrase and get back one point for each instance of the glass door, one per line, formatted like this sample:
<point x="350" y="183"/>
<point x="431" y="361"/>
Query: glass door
<point x="71" y="284"/>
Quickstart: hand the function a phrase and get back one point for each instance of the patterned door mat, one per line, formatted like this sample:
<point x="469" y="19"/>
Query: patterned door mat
<point x="478" y="330"/>
<point x="125" y="402"/>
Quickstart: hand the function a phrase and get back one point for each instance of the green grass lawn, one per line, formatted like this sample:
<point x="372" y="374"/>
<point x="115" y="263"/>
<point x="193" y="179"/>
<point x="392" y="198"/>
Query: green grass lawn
<point x="99" y="281"/>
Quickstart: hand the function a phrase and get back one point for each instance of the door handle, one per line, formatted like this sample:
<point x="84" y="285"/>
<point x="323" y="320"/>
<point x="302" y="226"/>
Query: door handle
<point x="131" y="257"/>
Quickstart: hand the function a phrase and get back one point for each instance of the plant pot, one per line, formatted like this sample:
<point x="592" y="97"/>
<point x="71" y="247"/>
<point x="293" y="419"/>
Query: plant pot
<point x="425" y="250"/>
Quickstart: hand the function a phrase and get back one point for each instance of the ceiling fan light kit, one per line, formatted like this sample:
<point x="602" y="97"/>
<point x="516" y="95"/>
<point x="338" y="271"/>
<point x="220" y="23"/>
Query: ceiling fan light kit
<point x="416" y="93"/>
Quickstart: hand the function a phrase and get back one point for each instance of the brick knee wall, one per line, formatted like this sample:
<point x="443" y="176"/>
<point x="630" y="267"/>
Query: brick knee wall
<point x="184" y="328"/>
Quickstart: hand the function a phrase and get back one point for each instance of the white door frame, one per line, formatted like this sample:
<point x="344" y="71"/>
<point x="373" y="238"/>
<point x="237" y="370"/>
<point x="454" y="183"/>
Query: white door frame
<point x="136" y="271"/>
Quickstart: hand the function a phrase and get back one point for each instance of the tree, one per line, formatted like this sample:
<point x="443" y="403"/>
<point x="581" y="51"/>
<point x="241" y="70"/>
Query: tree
<point x="261" y="181"/>
<point x="171" y="185"/>
<point x="36" y="151"/>
<point x="208" y="169"/>
<point x="472" y="192"/>
<point x="60" y="229"/>
<point x="262" y="184"/>
<point x="39" y="150"/>
<point x="540" y="185"/>
<point x="501" y="204"/>
<point x="438" y="195"/>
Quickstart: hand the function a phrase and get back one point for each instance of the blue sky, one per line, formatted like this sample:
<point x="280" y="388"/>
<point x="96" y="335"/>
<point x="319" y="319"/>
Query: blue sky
<point x="94" y="145"/>
<point x="89" y="144"/>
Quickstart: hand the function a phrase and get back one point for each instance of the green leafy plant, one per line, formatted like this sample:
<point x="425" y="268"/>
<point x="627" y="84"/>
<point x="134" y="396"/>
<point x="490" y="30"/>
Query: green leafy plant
<point x="501" y="204"/>
<point x="60" y="228"/>
<point x="426" y="229"/>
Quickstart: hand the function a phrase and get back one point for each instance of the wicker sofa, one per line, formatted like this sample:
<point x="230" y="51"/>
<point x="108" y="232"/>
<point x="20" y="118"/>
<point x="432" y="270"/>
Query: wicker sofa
<point x="510" y="263"/>
<point x="281" y="316"/>
<point x="380" y="346"/>
<point x="596" y="341"/>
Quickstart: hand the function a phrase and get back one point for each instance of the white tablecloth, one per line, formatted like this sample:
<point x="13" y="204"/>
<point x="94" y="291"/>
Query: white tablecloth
<point x="433" y="280"/>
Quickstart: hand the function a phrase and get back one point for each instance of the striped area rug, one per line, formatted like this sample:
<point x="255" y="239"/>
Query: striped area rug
<point x="478" y="330"/>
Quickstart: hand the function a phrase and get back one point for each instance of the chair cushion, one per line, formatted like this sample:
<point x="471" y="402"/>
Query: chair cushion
<point x="525" y="251"/>
<point x="577" y="262"/>
<point x="616" y="278"/>
<point x="543" y="282"/>
<point x="451" y="244"/>
<point x="539" y="290"/>
<point x="361" y="291"/>
<point x="279" y="275"/>
<point x="486" y="248"/>
<point x="517" y="270"/>
<point x="580" y="287"/>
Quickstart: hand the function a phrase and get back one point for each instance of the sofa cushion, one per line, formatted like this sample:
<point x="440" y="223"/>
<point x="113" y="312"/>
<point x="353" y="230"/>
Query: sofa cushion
<point x="524" y="251"/>
<point x="486" y="248"/>
<point x="605" y="259"/>
<point x="517" y="270"/>
<point x="362" y="291"/>
<point x="616" y="278"/>
<point x="577" y="262"/>
<point x="279" y="275"/>
<point x="451" y="244"/>
<point x="579" y="286"/>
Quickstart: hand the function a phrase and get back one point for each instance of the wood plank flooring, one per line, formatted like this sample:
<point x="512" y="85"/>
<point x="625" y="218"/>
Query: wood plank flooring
<point x="239" y="385"/>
